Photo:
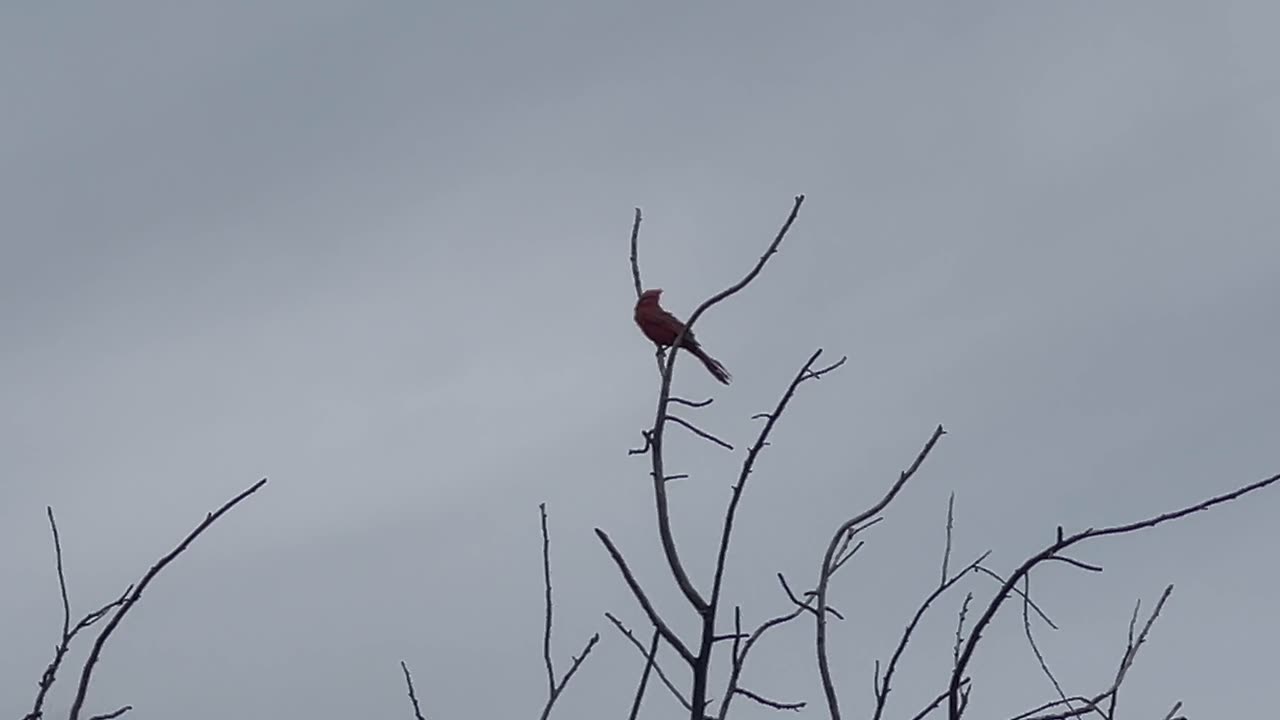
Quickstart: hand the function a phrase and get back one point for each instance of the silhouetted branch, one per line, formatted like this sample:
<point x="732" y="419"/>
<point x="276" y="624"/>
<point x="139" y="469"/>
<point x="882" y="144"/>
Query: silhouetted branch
<point x="1087" y="705"/>
<point x="651" y="658"/>
<point x="983" y="569"/>
<point x="796" y="706"/>
<point x="649" y="665"/>
<point x="132" y="598"/>
<point x="824" y="574"/>
<point x="699" y="431"/>
<point x="635" y="253"/>
<point x="69" y="632"/>
<point x="667" y="634"/>
<point x="554" y="688"/>
<point x="413" y="697"/>
<point x="691" y="403"/>
<point x="113" y="714"/>
<point x="1031" y="640"/>
<point x="954" y="710"/>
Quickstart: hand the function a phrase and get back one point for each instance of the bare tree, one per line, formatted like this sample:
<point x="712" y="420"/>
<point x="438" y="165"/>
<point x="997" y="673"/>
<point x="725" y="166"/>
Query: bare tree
<point x="696" y="653"/>
<point x="113" y="612"/>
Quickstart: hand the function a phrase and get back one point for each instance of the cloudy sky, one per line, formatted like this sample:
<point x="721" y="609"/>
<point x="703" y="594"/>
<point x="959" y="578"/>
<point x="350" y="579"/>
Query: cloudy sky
<point x="376" y="252"/>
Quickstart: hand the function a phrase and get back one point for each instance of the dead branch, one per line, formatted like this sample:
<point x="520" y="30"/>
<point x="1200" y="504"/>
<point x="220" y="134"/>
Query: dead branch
<point x="699" y="431"/>
<point x="413" y="697"/>
<point x="649" y="665"/>
<point x="824" y="574"/>
<point x="954" y="709"/>
<point x="69" y="632"/>
<point x="651" y="658"/>
<point x="554" y="688"/>
<point x="131" y="599"/>
<point x="667" y="634"/>
<point x="796" y="706"/>
<point x="635" y="253"/>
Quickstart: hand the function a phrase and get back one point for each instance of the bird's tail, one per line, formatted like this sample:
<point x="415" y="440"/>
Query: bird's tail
<point x="713" y="366"/>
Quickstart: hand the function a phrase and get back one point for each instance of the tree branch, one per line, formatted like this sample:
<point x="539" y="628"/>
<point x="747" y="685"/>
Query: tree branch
<point x="86" y="674"/>
<point x="954" y="709"/>
<point x="824" y="575"/>
<point x="413" y="697"/>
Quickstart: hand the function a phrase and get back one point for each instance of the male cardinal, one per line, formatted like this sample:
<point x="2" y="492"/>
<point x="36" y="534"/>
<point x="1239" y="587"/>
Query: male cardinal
<point x="662" y="328"/>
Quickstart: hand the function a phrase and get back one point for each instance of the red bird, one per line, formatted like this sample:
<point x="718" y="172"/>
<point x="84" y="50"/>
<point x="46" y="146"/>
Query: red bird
<point x="662" y="328"/>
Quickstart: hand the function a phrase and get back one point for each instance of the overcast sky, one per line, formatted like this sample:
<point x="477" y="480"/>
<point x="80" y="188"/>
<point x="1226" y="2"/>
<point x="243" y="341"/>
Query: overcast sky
<point x="377" y="252"/>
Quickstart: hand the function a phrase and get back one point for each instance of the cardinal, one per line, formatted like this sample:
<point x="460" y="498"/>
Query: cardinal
<point x="662" y="328"/>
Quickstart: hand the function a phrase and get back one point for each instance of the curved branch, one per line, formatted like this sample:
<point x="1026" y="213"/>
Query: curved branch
<point x="954" y="709"/>
<point x="824" y="576"/>
<point x="77" y="705"/>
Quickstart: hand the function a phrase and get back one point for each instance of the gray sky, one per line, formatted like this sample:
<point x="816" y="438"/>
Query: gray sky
<point x="377" y="253"/>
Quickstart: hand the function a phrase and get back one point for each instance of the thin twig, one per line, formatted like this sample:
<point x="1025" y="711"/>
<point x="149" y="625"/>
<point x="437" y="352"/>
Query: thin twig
<point x="691" y="403"/>
<point x="95" y="653"/>
<point x="113" y="714"/>
<point x="555" y="688"/>
<point x="796" y="706"/>
<point x="1031" y="640"/>
<point x="946" y="553"/>
<point x="964" y="612"/>
<point x="635" y="253"/>
<point x="69" y="632"/>
<point x="546" y="582"/>
<point x="413" y="697"/>
<point x="573" y="669"/>
<point x="699" y="431"/>
<point x="883" y="685"/>
<point x="1043" y="615"/>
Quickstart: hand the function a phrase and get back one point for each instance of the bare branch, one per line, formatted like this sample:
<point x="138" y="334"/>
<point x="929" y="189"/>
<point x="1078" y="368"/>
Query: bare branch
<point x="1055" y="548"/>
<point x="113" y="714"/>
<point x="691" y="403"/>
<point x="555" y="688"/>
<point x="1075" y="563"/>
<point x="946" y="553"/>
<point x="667" y="634"/>
<point x="699" y="431"/>
<point x="413" y="697"/>
<point x="883" y="686"/>
<point x="824" y="575"/>
<point x="573" y="668"/>
<point x="546" y="582"/>
<point x="740" y="655"/>
<point x="651" y="658"/>
<point x="936" y="702"/>
<point x="796" y="706"/>
<point x="95" y="653"/>
<point x="69" y="632"/>
<point x="649" y="665"/>
<point x="635" y="253"/>
<point x="1031" y="640"/>
<point x="964" y="612"/>
<point x="1043" y="616"/>
<point x="648" y="443"/>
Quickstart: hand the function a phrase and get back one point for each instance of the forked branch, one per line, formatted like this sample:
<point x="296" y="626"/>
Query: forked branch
<point x="954" y="701"/>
